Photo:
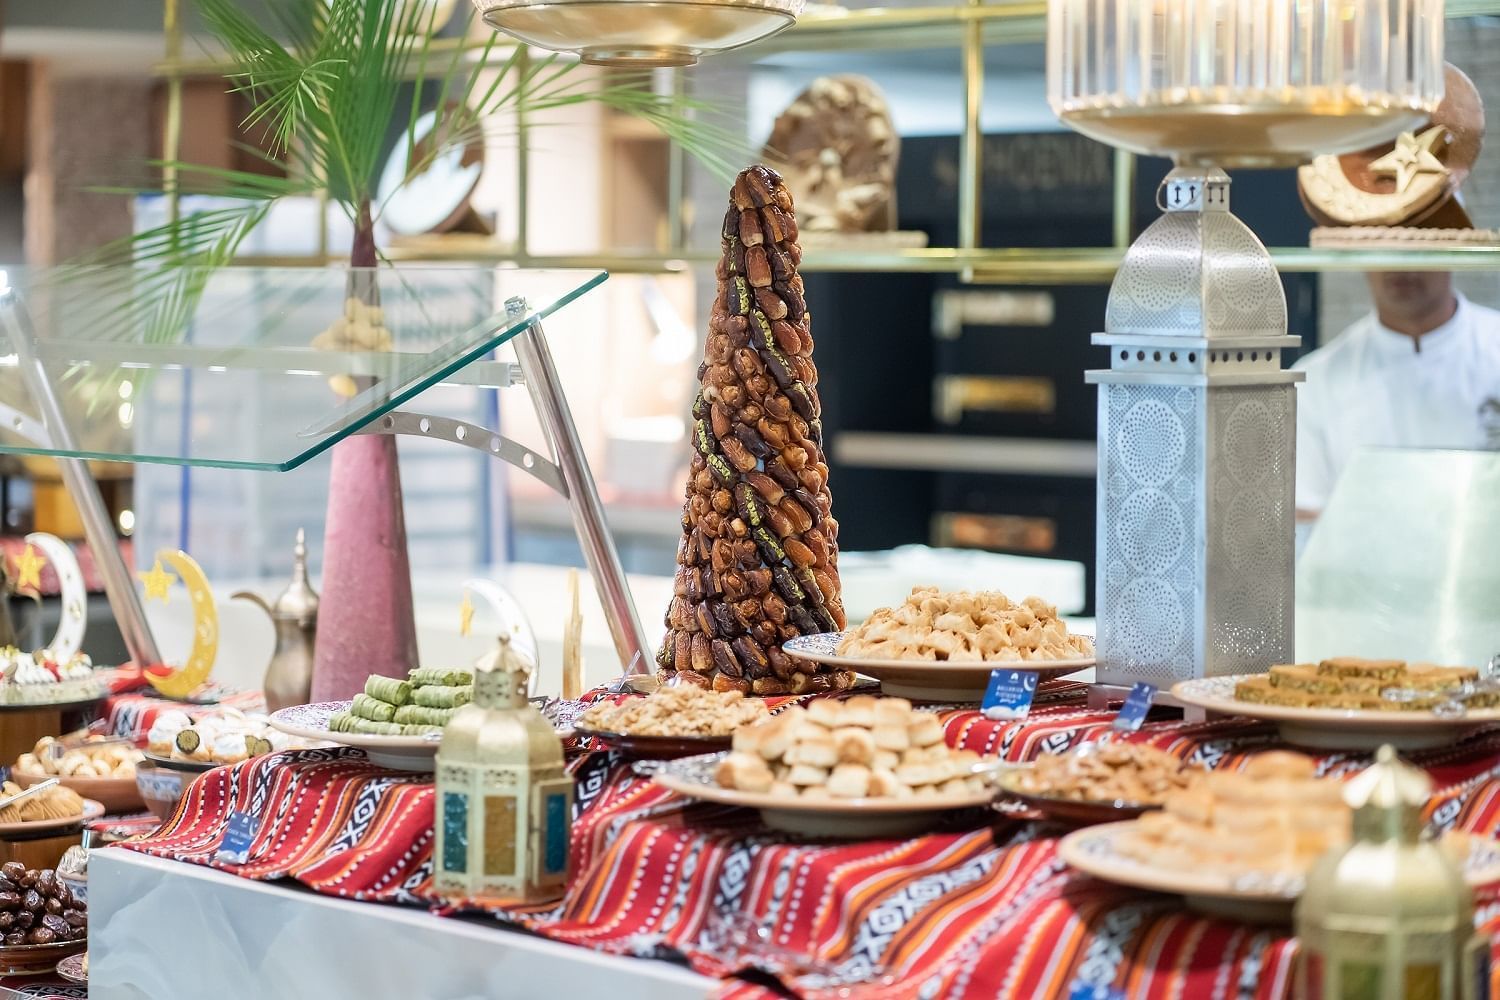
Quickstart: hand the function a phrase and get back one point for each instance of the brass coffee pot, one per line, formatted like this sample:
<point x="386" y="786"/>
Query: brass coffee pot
<point x="294" y="614"/>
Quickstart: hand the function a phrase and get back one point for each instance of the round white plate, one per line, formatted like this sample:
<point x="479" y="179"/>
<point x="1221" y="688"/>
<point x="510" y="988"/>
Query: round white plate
<point x="1260" y="897"/>
<point x="401" y="753"/>
<point x="925" y="680"/>
<point x="1335" y="728"/>
<point x="847" y="818"/>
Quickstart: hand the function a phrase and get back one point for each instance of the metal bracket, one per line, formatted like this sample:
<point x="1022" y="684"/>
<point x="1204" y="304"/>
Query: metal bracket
<point x="471" y="436"/>
<point x="98" y="528"/>
<point x="594" y="539"/>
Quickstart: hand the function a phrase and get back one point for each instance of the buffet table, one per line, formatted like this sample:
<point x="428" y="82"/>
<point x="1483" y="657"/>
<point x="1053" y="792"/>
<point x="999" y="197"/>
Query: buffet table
<point x="982" y="906"/>
<point x="254" y="939"/>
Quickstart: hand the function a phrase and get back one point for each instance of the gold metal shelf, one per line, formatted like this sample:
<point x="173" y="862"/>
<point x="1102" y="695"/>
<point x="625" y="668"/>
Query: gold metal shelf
<point x="1018" y="265"/>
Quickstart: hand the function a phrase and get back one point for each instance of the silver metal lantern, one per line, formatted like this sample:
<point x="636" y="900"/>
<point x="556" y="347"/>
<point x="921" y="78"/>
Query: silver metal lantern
<point x="1197" y="421"/>
<point x="1197" y="444"/>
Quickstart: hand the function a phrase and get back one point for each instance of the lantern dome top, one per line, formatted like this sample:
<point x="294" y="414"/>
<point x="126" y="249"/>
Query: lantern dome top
<point x="1388" y="797"/>
<point x="1197" y="271"/>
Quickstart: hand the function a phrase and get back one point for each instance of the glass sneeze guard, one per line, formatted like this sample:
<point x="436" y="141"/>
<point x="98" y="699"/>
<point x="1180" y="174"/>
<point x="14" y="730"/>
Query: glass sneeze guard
<point x="268" y="368"/>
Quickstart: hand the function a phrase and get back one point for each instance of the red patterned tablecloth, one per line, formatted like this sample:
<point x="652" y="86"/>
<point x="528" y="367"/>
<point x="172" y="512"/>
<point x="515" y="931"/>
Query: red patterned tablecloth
<point x="133" y="713"/>
<point x="972" y="910"/>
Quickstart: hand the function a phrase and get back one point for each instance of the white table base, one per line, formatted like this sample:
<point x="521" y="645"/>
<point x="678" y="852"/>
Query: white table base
<point x="160" y="929"/>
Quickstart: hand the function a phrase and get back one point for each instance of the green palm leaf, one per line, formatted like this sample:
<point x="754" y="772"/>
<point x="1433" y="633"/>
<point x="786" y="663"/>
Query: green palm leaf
<point x="326" y="80"/>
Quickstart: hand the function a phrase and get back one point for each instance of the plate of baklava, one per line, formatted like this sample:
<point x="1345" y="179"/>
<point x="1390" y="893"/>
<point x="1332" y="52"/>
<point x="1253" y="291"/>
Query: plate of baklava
<point x="859" y="767"/>
<point x="1353" y="703"/>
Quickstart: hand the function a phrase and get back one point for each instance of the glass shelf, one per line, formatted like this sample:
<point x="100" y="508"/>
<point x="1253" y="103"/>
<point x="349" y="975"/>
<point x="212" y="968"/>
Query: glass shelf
<point x="261" y="373"/>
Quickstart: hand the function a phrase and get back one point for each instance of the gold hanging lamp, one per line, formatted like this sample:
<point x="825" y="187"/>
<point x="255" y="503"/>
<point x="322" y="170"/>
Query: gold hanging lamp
<point x="640" y="33"/>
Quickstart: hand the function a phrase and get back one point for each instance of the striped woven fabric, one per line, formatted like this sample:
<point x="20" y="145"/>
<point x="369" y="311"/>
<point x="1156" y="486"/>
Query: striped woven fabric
<point x="133" y="713"/>
<point x="972" y="910"/>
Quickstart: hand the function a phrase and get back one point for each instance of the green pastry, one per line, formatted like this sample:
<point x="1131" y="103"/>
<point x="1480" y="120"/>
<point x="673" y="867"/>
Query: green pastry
<point x="345" y="722"/>
<point x="419" y="715"/>
<point x="391" y="690"/>
<point x="415" y="730"/>
<point x="423" y="676"/>
<point x="373" y="709"/>
<point x="441" y="696"/>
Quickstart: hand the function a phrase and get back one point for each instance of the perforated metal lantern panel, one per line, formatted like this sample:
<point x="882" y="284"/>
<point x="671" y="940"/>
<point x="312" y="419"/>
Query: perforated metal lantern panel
<point x="1197" y="438"/>
<point x="1150" y="521"/>
<point x="1250" y="519"/>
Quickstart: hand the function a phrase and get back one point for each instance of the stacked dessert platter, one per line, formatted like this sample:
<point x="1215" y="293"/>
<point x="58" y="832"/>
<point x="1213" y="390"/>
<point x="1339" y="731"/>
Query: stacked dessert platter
<point x="30" y="681"/>
<point x="1350" y="703"/>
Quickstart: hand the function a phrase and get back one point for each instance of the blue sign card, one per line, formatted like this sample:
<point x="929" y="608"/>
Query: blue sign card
<point x="235" y="847"/>
<point x="1092" y="991"/>
<point x="1133" y="712"/>
<point x="1009" y="694"/>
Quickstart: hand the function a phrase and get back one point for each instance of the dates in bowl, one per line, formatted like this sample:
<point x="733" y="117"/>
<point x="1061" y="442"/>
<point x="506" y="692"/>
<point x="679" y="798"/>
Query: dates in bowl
<point x="38" y="908"/>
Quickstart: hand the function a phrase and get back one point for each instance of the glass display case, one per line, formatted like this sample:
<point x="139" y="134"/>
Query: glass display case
<point x="265" y="369"/>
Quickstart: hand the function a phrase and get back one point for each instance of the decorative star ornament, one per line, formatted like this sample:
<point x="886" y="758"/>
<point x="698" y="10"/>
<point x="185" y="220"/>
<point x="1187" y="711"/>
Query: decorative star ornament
<point x="1411" y="156"/>
<point x="29" y="569"/>
<point x="465" y="615"/>
<point x="157" y="580"/>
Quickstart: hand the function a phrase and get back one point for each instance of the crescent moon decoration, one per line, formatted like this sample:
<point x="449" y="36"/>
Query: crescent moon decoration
<point x="179" y="683"/>
<point x="509" y="617"/>
<point x="1332" y="192"/>
<point x="71" y="621"/>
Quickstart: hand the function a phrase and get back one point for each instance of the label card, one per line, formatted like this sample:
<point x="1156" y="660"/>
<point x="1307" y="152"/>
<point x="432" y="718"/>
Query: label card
<point x="1133" y="712"/>
<point x="1092" y="991"/>
<point x="1009" y="694"/>
<point x="238" y="835"/>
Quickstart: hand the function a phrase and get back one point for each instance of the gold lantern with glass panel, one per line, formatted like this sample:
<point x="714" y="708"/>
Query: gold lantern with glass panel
<point x="504" y="798"/>
<point x="1390" y="916"/>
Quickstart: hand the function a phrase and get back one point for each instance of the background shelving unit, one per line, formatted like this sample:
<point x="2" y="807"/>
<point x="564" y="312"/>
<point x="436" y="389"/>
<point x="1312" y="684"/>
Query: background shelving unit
<point x="970" y="28"/>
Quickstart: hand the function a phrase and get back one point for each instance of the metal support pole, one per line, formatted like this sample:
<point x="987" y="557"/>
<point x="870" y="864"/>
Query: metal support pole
<point x="171" y="140"/>
<point x="583" y="496"/>
<point x="676" y="174"/>
<point x="119" y="585"/>
<point x="971" y="149"/>
<point x="1124" y="198"/>
<point x="523" y="158"/>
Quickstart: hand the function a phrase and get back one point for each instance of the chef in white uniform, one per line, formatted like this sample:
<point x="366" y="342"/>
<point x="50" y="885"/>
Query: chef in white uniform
<point x="1421" y="371"/>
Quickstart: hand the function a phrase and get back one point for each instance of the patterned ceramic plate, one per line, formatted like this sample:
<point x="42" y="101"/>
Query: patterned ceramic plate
<point x="18" y="959"/>
<point x="924" y="680"/>
<point x="403" y="753"/>
<point x="1076" y="811"/>
<point x="47" y="827"/>
<point x="1334" y="728"/>
<point x="694" y="776"/>
<point x="1250" y="896"/>
<point x="74" y="968"/>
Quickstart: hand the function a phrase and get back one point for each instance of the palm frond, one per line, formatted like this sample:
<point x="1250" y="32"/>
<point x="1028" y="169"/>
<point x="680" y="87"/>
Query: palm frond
<point x="326" y="81"/>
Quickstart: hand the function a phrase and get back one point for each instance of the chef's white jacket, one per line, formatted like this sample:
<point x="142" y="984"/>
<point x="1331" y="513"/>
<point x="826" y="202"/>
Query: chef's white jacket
<point x="1373" y="386"/>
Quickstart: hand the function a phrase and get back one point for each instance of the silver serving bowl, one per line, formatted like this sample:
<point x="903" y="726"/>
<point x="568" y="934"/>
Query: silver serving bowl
<point x="640" y="33"/>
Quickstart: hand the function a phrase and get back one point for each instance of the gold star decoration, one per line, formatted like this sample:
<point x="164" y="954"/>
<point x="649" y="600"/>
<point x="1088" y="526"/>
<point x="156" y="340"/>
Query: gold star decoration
<point x="29" y="569"/>
<point x="1411" y="156"/>
<point x="465" y="614"/>
<point x="157" y="580"/>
